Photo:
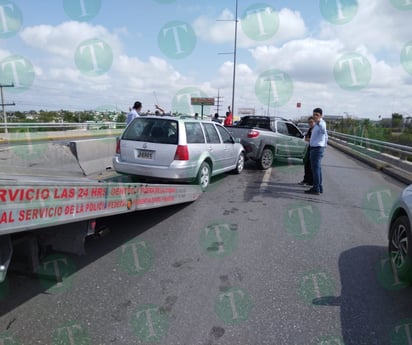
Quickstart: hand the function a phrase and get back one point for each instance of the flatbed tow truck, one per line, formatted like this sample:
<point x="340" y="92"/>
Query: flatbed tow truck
<point x="60" y="212"/>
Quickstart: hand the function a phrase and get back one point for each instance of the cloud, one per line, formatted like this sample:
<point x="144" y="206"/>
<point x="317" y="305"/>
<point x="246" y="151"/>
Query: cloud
<point x="128" y="78"/>
<point x="221" y="30"/>
<point x="308" y="59"/>
<point x="62" y="40"/>
<point x="376" y="26"/>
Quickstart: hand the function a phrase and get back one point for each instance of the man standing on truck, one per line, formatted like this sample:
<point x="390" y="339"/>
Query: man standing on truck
<point x="318" y="142"/>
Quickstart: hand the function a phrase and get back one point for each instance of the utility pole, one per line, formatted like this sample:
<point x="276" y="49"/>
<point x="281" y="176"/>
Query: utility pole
<point x="3" y="105"/>
<point x="234" y="58"/>
<point x="234" y="63"/>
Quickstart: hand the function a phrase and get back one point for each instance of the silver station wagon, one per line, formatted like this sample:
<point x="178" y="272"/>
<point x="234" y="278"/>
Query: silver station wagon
<point x="169" y="148"/>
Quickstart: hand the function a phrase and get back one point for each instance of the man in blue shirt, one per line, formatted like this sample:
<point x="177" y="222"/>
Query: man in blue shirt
<point x="318" y="142"/>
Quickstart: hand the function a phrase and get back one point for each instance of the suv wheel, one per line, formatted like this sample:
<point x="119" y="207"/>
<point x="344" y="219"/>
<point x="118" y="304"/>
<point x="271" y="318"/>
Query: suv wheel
<point x="266" y="159"/>
<point x="203" y="176"/>
<point x="240" y="163"/>
<point x="400" y="248"/>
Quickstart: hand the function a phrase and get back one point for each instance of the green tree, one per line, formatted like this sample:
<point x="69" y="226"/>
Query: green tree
<point x="20" y="116"/>
<point x="68" y="116"/>
<point x="47" y="116"/>
<point x="121" y="118"/>
<point x="397" y="120"/>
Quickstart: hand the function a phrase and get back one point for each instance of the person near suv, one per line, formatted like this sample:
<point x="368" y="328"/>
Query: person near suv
<point x="308" y="176"/>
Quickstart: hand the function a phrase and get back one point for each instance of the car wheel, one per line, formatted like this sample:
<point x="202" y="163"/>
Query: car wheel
<point x="203" y="176"/>
<point x="240" y="163"/>
<point x="400" y="248"/>
<point x="266" y="159"/>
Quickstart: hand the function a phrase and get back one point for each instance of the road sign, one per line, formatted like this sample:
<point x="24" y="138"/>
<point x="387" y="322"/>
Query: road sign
<point x="202" y="101"/>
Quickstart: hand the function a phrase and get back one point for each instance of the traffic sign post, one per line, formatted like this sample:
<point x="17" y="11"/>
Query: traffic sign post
<point x="202" y="101"/>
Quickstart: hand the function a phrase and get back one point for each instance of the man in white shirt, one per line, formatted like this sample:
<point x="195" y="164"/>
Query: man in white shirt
<point x="135" y="112"/>
<point x="318" y="143"/>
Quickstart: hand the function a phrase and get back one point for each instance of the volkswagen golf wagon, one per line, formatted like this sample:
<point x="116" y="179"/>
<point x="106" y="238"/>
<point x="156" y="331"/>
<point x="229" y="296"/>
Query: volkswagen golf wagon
<point x="176" y="149"/>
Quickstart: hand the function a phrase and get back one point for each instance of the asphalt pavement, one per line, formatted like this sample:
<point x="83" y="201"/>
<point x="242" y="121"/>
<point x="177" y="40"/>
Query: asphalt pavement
<point x="253" y="261"/>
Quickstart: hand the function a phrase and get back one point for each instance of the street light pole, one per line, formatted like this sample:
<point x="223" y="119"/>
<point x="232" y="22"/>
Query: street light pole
<point x="234" y="58"/>
<point x="234" y="61"/>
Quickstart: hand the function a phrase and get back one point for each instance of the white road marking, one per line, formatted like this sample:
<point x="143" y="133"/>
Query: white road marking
<point x="266" y="177"/>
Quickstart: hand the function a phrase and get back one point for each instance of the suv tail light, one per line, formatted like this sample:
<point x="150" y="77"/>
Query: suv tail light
<point x="182" y="153"/>
<point x="252" y="134"/>
<point x="118" y="146"/>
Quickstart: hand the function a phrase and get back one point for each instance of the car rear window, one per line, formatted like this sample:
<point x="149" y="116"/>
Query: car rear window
<point x="155" y="130"/>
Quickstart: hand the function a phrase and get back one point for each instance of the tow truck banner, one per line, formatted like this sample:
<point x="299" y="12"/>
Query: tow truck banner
<point x="26" y="207"/>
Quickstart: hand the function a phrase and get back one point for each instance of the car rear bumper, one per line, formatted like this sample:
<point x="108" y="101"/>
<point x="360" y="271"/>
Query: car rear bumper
<point x="251" y="149"/>
<point x="178" y="170"/>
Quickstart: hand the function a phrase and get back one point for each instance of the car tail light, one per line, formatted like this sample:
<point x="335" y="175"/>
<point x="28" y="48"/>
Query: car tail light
<point x="118" y="146"/>
<point x="182" y="153"/>
<point x="252" y="134"/>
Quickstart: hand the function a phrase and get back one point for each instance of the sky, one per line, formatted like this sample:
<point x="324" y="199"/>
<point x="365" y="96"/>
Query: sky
<point x="349" y="57"/>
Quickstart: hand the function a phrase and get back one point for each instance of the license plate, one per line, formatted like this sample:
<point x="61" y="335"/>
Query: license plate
<point x="145" y="154"/>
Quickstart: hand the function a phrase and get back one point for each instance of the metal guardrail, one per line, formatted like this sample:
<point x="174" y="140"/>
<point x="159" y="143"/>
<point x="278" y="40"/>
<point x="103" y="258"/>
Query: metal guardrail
<point x="63" y="125"/>
<point x="402" y="151"/>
